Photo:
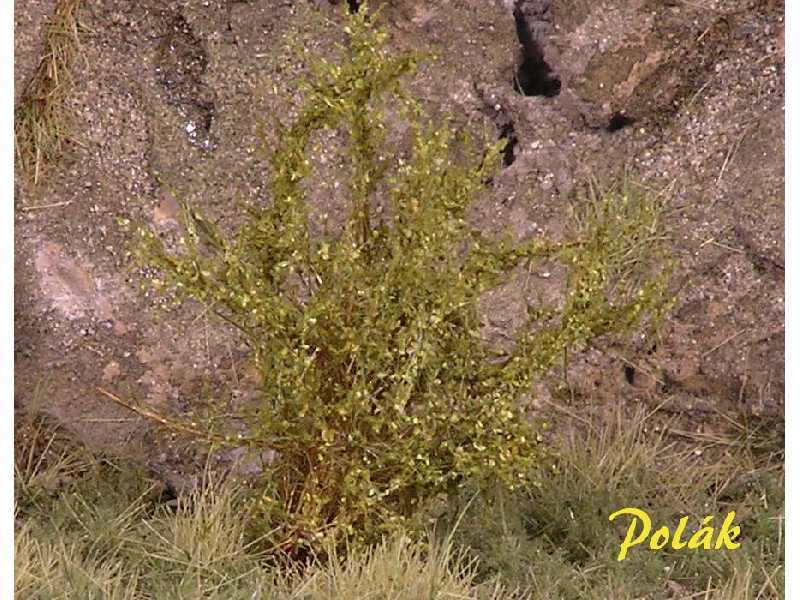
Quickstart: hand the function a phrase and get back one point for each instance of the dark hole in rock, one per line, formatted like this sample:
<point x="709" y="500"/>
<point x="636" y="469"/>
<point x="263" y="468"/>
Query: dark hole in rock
<point x="168" y="497"/>
<point x="353" y="5"/>
<point x="181" y="63"/>
<point x="619" y="120"/>
<point x="534" y="76"/>
<point x="629" y="373"/>
<point x="507" y="133"/>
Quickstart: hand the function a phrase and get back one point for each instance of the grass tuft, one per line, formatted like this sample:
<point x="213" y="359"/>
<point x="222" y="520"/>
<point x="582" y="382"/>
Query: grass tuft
<point x="100" y="534"/>
<point x="41" y="121"/>
<point x="396" y="568"/>
<point x="555" y="540"/>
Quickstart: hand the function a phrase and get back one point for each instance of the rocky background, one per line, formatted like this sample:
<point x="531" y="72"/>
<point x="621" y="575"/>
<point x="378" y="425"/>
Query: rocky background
<point x="167" y="98"/>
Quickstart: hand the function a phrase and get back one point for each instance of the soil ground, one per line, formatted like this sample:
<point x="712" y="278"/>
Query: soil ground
<point x="167" y="95"/>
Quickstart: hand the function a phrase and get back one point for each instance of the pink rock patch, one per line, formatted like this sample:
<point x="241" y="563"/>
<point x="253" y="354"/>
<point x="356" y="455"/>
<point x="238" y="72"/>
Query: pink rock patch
<point x="68" y="286"/>
<point x="111" y="371"/>
<point x="166" y="213"/>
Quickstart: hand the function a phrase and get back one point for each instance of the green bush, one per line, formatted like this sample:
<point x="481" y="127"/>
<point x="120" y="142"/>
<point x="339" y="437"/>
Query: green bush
<point x="378" y="391"/>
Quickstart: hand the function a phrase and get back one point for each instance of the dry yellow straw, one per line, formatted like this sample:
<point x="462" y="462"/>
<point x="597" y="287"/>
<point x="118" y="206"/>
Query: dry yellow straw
<point x="40" y="118"/>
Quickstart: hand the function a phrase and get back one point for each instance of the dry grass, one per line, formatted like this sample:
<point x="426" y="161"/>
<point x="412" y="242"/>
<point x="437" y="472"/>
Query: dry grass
<point x="555" y="541"/>
<point x="398" y="569"/>
<point x="41" y="121"/>
<point x="88" y="528"/>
